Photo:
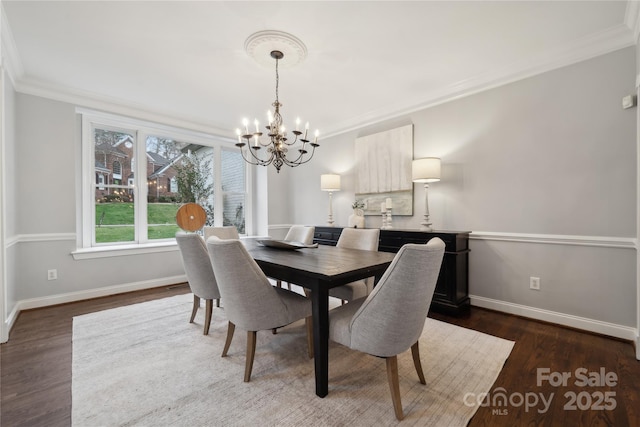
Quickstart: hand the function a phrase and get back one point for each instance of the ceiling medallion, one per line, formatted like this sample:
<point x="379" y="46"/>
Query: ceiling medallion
<point x="260" y="45"/>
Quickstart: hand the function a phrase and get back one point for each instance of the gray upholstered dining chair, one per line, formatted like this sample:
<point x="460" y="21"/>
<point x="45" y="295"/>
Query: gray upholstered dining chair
<point x="299" y="233"/>
<point x="391" y="319"/>
<point x="356" y="238"/>
<point x="251" y="303"/>
<point x="202" y="281"/>
<point x="225" y="232"/>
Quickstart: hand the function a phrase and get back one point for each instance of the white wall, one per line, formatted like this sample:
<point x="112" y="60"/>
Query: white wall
<point x="543" y="171"/>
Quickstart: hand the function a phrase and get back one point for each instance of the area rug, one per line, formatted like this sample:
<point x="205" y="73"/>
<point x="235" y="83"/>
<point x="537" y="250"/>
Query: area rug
<point x="146" y="365"/>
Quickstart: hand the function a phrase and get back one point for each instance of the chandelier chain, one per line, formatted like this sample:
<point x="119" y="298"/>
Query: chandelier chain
<point x="277" y="80"/>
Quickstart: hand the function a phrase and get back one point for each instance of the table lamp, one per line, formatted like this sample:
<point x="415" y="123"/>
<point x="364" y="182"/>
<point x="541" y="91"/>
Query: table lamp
<point x="426" y="170"/>
<point x="330" y="182"/>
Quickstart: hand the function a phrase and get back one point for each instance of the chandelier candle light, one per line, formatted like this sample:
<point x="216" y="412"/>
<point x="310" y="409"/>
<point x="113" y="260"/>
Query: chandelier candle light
<point x="277" y="144"/>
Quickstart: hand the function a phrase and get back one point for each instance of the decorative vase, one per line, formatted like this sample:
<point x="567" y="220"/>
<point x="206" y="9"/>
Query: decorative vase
<point x="356" y="219"/>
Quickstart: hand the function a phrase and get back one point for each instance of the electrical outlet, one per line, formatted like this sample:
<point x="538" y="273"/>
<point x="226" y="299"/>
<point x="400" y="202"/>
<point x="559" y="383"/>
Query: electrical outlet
<point x="52" y="274"/>
<point x="534" y="283"/>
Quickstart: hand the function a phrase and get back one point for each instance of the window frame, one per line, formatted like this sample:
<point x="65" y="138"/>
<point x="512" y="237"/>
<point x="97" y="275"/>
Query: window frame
<point x="224" y="193"/>
<point x="86" y="247"/>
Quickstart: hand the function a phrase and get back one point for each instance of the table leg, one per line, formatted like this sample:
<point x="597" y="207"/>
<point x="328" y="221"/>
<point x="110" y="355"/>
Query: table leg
<point x="320" y="310"/>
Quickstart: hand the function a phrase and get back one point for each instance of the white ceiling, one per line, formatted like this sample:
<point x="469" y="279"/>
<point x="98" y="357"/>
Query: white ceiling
<point x="366" y="61"/>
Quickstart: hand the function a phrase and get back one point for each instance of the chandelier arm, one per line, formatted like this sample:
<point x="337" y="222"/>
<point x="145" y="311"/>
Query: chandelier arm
<point x="292" y="142"/>
<point x="294" y="161"/>
<point x="258" y="161"/>
<point x="299" y="161"/>
<point x="264" y="162"/>
<point x="293" y="165"/>
<point x="264" y="144"/>
<point x="313" y="151"/>
<point x="249" y="160"/>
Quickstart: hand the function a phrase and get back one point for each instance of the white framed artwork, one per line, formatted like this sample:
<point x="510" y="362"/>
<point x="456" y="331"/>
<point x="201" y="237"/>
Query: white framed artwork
<point x="383" y="170"/>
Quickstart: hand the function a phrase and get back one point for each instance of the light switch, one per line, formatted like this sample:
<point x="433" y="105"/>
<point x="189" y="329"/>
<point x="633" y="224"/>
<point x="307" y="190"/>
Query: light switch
<point x="628" y="102"/>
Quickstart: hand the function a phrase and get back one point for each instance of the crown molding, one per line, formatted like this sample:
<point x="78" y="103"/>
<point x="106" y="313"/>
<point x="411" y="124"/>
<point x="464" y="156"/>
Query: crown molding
<point x="10" y="56"/>
<point x="115" y="105"/>
<point x="610" y="40"/>
<point x="632" y="18"/>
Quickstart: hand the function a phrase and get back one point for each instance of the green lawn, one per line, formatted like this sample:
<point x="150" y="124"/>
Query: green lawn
<point x="114" y="221"/>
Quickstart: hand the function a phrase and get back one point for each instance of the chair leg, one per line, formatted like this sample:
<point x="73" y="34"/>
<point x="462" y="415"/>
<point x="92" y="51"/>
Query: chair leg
<point x="230" y="329"/>
<point x="207" y="317"/>
<point x="196" y="305"/>
<point x="218" y="302"/>
<point x="288" y="285"/>
<point x="309" y="323"/>
<point x="415" y="352"/>
<point x="394" y="385"/>
<point x="279" y="284"/>
<point x="251" y="352"/>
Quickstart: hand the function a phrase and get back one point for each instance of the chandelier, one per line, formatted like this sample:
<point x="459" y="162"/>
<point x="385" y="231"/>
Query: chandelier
<point x="278" y="150"/>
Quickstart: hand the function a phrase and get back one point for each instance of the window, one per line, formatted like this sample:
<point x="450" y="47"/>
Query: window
<point x="233" y="189"/>
<point x="117" y="170"/>
<point x="135" y="203"/>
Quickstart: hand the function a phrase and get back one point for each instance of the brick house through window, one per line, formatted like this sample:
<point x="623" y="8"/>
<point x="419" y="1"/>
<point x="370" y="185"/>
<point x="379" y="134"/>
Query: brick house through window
<point x="115" y="164"/>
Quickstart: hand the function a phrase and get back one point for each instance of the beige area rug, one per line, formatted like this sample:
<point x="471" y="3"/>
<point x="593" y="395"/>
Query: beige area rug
<point x="146" y="365"/>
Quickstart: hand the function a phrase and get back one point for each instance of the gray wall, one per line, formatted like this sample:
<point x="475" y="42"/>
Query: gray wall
<point x="10" y="189"/>
<point x="47" y="196"/>
<point x="543" y="171"/>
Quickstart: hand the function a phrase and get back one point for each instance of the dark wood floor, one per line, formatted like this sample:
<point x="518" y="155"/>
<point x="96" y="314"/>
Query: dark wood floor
<point x="36" y="369"/>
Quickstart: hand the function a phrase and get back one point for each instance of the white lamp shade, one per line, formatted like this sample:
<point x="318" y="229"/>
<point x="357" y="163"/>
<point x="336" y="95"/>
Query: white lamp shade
<point x="426" y="170"/>
<point x="330" y="182"/>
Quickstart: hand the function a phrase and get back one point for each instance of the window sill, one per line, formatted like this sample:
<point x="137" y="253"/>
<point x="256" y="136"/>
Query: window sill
<point x="124" y="250"/>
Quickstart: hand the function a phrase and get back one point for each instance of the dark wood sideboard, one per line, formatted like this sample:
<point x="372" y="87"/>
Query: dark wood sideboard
<point x="452" y="290"/>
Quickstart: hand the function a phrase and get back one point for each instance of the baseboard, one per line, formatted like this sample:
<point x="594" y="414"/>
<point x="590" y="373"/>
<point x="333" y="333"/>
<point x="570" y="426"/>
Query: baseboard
<point x="27" y="304"/>
<point x="638" y="347"/>
<point x="591" y="325"/>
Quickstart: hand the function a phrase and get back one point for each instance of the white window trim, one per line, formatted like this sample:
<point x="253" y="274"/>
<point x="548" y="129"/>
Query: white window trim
<point x="247" y="203"/>
<point x="141" y="129"/>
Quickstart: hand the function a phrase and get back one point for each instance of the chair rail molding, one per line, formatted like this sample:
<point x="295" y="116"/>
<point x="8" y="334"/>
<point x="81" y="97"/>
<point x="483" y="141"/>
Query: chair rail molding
<point x="41" y="237"/>
<point x="558" y="239"/>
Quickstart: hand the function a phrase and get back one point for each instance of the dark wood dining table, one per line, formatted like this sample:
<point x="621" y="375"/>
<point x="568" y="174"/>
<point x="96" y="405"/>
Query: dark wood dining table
<point x="318" y="270"/>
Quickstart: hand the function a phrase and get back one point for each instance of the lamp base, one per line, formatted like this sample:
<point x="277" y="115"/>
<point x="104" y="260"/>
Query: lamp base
<point x="330" y="221"/>
<point x="425" y="225"/>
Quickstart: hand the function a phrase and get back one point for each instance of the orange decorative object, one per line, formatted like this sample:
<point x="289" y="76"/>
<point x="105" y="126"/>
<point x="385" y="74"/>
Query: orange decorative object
<point x="191" y="217"/>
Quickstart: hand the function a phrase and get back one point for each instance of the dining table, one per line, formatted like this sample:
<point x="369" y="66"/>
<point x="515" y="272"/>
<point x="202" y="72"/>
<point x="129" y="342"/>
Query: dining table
<point x="319" y="269"/>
